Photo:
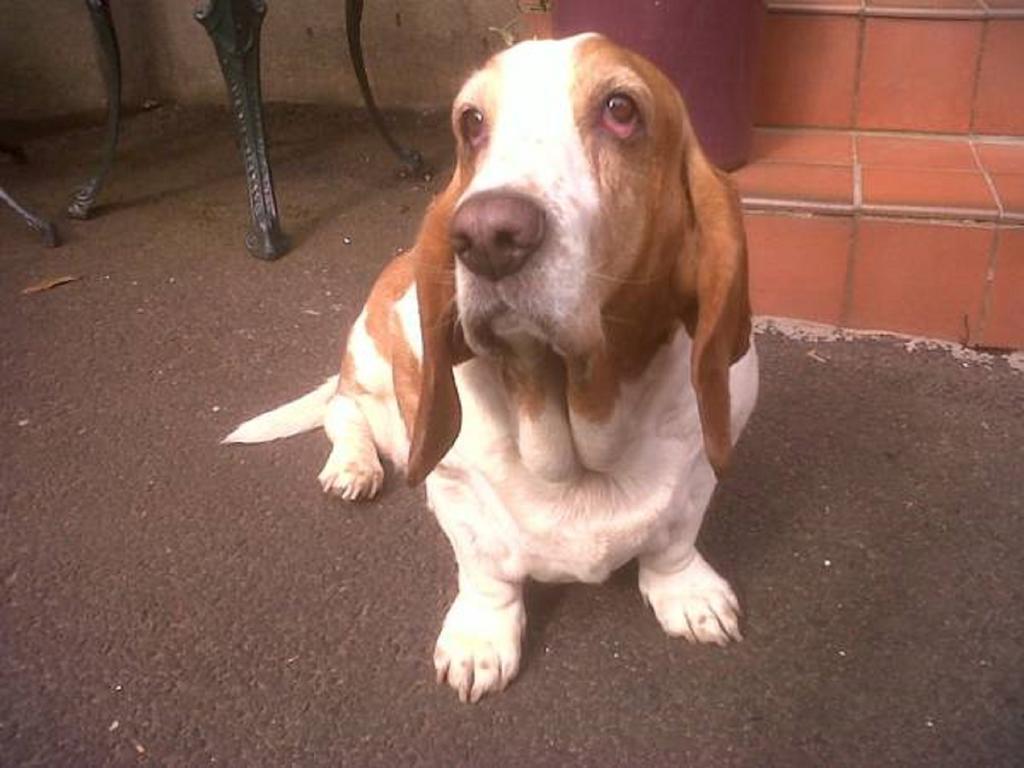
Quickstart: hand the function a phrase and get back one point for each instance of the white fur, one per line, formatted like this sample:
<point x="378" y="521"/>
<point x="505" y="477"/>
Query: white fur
<point x="353" y="470"/>
<point x="588" y="525"/>
<point x="534" y="148"/>
<point x="300" y="415"/>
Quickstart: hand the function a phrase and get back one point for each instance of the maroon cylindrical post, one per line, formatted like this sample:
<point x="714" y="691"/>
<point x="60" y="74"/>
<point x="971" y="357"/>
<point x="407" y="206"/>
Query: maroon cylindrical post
<point x="707" y="47"/>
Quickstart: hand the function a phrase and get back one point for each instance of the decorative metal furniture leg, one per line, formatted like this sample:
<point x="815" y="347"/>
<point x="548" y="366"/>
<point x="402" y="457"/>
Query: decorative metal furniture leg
<point x="35" y="221"/>
<point x="234" y="27"/>
<point x="412" y="159"/>
<point x="110" y="63"/>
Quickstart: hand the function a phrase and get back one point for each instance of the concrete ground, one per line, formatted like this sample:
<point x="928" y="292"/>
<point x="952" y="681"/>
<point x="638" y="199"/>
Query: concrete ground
<point x="165" y="600"/>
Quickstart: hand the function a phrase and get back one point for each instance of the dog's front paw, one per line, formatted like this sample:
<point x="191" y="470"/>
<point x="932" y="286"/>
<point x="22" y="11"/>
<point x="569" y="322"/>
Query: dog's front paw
<point x="695" y="603"/>
<point x="352" y="477"/>
<point x="478" y="649"/>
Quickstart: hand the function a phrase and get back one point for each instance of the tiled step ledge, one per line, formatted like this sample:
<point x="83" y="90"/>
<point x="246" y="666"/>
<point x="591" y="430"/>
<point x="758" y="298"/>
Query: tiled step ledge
<point x="951" y="9"/>
<point x="929" y="176"/>
<point x="958" y="281"/>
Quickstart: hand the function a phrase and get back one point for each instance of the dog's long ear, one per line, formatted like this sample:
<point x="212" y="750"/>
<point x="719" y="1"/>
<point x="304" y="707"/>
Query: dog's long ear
<point x="438" y="412"/>
<point x="715" y="301"/>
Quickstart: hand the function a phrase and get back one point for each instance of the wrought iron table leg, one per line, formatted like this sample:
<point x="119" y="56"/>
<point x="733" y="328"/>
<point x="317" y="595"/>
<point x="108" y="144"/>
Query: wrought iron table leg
<point x="43" y="226"/>
<point x="110" y="63"/>
<point x="412" y="159"/>
<point x="234" y="27"/>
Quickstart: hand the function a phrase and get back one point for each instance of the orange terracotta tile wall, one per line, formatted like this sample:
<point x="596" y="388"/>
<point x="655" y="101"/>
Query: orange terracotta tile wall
<point x="999" y="99"/>
<point x="878" y="65"/>
<point x="920" y="278"/>
<point x="943" y="280"/>
<point x="918" y="74"/>
<point x="1004" y="325"/>
<point x="807" y="72"/>
<point x="798" y="266"/>
<point x="931" y="242"/>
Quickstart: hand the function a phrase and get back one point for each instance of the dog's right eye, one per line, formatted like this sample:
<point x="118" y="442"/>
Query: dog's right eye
<point x="620" y="115"/>
<point x="472" y="126"/>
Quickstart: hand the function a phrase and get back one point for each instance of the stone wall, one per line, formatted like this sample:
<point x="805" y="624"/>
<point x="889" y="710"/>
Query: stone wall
<point x="417" y="52"/>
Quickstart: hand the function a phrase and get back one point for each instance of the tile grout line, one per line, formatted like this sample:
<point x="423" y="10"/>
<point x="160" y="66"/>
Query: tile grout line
<point x="989" y="138"/>
<point x="981" y="12"/>
<point x="920" y="216"/>
<point x="990" y="280"/>
<point x="972" y="217"/>
<point x="923" y="216"/>
<point x="993" y="190"/>
<point x="800" y="8"/>
<point x="858" y="67"/>
<point x="958" y="216"/>
<point x="846" y="308"/>
<point x="820" y="207"/>
<point x="977" y="75"/>
<point x="990" y="273"/>
<point x="858" y="178"/>
<point x="927" y="14"/>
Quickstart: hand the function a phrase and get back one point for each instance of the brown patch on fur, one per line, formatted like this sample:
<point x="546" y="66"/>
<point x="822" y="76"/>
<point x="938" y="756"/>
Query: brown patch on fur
<point x="671" y="244"/>
<point x="433" y="427"/>
<point x="641" y="226"/>
<point x="405" y="373"/>
<point x="438" y="412"/>
<point x="532" y="376"/>
<point x="714" y="270"/>
<point x="390" y="286"/>
<point x="425" y="391"/>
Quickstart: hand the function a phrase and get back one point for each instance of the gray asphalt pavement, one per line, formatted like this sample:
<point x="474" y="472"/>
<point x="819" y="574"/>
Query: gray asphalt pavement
<point x="168" y="601"/>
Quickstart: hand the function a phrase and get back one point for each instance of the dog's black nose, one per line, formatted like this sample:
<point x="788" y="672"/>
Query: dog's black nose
<point x="494" y="233"/>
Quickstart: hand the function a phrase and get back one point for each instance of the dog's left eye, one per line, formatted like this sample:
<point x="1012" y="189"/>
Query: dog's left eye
<point x="472" y="126"/>
<point x="620" y="115"/>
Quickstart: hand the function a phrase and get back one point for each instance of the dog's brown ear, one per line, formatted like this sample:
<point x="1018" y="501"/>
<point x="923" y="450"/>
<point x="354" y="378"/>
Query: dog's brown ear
<point x="438" y="412"/>
<point x="715" y="300"/>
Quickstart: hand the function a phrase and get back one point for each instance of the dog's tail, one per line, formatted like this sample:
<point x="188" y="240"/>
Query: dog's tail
<point x="301" y="415"/>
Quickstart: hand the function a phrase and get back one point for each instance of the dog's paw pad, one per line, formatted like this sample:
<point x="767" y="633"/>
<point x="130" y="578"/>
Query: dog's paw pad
<point x="478" y="649"/>
<point x="695" y="603"/>
<point x="700" y="617"/>
<point x="352" y="479"/>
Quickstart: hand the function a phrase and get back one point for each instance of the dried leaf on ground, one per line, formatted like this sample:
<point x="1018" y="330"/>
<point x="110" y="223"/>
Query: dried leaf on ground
<point x="48" y="283"/>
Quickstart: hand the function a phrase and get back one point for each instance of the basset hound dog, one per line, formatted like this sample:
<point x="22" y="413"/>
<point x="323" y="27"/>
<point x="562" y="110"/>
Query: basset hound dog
<point x="564" y="357"/>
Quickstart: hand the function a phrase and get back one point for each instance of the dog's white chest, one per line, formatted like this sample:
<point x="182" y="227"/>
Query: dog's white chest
<point x="653" y="473"/>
